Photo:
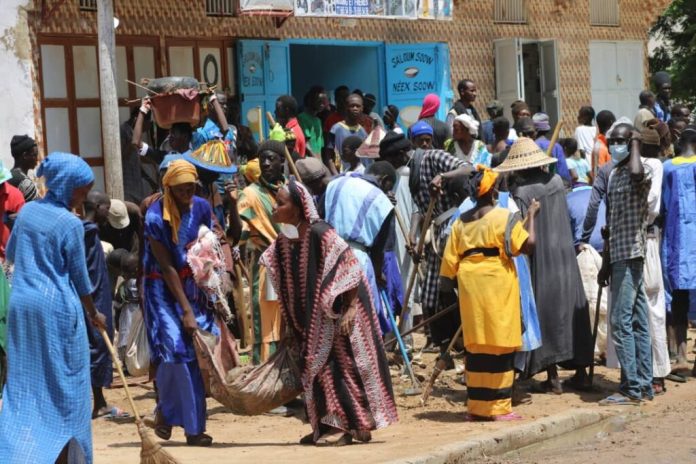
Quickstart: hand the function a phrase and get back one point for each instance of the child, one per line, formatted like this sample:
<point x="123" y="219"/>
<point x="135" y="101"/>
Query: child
<point x="126" y="301"/>
<point x="586" y="132"/>
<point x="580" y="171"/>
<point x="349" y="159"/>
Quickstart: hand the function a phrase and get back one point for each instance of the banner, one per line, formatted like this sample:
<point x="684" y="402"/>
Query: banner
<point x="374" y="9"/>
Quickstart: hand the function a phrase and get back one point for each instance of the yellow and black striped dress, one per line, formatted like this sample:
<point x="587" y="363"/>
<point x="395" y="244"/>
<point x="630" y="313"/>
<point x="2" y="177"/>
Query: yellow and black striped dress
<point x="489" y="303"/>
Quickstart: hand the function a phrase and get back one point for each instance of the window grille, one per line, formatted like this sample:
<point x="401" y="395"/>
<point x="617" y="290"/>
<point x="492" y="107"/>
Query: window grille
<point x="219" y="7"/>
<point x="510" y="11"/>
<point x="88" y="5"/>
<point x="604" y="12"/>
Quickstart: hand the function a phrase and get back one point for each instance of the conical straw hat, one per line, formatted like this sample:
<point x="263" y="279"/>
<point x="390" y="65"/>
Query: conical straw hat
<point x="524" y="154"/>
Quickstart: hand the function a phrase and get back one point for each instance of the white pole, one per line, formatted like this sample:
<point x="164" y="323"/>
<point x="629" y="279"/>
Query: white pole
<point x="113" y="170"/>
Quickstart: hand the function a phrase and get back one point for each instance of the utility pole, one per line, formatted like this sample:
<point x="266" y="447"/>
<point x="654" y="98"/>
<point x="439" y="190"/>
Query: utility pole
<point x="111" y="140"/>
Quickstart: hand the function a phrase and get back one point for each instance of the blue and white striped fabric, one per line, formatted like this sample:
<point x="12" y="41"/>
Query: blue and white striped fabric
<point x="47" y="396"/>
<point x="357" y="210"/>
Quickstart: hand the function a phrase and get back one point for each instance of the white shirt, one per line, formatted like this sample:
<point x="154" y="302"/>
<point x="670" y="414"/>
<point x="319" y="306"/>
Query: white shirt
<point x="585" y="136"/>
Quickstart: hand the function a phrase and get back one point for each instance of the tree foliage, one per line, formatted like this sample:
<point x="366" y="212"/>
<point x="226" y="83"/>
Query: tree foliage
<point x="676" y="29"/>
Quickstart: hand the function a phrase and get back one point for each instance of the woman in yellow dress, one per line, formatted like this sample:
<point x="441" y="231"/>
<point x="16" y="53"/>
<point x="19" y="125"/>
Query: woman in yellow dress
<point x="478" y="261"/>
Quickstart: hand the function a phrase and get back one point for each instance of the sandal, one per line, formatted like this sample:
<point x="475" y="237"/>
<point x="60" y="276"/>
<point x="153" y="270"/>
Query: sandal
<point x="548" y="387"/>
<point x="111" y="413"/>
<point x="676" y="378"/>
<point x="511" y="416"/>
<point x="364" y="436"/>
<point x="307" y="439"/>
<point x="330" y="440"/>
<point x="617" y="399"/>
<point x="201" y="439"/>
<point x="162" y="429"/>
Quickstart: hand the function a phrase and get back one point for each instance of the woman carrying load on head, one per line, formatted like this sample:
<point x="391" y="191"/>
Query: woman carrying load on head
<point x="174" y="306"/>
<point x="478" y="259"/>
<point x="325" y="301"/>
<point x="46" y="415"/>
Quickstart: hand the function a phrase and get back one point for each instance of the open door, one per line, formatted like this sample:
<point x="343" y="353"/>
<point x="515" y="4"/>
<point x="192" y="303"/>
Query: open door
<point x="413" y="71"/>
<point x="550" y="101"/>
<point x="264" y="75"/>
<point x="509" y="76"/>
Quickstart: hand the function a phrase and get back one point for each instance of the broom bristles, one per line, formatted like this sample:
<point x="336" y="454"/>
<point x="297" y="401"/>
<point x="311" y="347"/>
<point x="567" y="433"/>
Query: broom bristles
<point x="151" y="451"/>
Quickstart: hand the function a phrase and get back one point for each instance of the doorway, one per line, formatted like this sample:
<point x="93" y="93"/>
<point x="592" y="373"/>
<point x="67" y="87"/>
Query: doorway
<point x="528" y="70"/>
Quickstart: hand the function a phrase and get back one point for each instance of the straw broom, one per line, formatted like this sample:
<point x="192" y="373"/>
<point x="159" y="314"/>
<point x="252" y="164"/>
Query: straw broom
<point x="440" y="366"/>
<point x="151" y="452"/>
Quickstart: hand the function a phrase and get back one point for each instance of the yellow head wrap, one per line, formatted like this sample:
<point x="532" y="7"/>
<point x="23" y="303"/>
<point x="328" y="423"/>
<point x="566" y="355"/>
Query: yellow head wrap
<point x="487" y="180"/>
<point x="179" y="172"/>
<point x="252" y="171"/>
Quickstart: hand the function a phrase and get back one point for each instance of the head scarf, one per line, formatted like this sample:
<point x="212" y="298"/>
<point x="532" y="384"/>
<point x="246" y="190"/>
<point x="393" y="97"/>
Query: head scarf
<point x="252" y="171"/>
<point x="392" y="143"/>
<point x="63" y="173"/>
<point x="20" y="144"/>
<point x="167" y="160"/>
<point x="421" y="128"/>
<point x="469" y="122"/>
<point x="482" y="181"/>
<point x="301" y="197"/>
<point x="431" y="103"/>
<point x="179" y="172"/>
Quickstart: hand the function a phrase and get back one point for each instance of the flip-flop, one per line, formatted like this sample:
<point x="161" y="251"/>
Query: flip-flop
<point x="617" y="399"/>
<point x="343" y="440"/>
<point x="676" y="378"/>
<point x="113" y="413"/>
<point x="511" y="416"/>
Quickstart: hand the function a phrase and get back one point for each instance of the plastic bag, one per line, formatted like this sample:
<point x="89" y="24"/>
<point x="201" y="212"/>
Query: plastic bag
<point x="137" y="347"/>
<point x="249" y="390"/>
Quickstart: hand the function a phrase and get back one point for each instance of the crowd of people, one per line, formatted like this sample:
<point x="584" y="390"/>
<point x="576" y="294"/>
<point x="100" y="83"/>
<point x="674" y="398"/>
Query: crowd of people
<point x="328" y="221"/>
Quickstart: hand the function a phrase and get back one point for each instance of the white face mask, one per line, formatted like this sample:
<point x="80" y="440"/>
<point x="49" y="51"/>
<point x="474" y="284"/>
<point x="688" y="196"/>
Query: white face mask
<point x="290" y="231"/>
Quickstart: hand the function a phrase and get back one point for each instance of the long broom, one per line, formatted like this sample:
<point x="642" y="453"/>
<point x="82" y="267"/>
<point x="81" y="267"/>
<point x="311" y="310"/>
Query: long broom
<point x="288" y="158"/>
<point x="151" y="452"/>
<point x="440" y="366"/>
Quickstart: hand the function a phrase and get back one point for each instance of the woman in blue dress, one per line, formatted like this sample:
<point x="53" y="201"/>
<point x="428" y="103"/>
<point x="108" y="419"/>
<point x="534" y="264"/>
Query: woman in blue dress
<point x="46" y="415"/>
<point x="174" y="307"/>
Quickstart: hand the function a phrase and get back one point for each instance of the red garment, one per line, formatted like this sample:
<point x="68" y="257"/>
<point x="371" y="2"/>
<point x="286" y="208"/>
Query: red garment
<point x="300" y="141"/>
<point x="11" y="202"/>
<point x="332" y="119"/>
<point x="366" y="123"/>
<point x="431" y="103"/>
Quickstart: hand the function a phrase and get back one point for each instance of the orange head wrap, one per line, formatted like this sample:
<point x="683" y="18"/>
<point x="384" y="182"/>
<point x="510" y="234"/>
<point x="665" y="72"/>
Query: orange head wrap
<point x="179" y="172"/>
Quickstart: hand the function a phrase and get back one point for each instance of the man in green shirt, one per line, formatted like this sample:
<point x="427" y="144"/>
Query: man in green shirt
<point x="314" y="102"/>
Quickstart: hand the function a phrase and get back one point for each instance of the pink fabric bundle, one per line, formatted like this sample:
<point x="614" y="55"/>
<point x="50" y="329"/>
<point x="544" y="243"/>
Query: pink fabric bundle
<point x="207" y="263"/>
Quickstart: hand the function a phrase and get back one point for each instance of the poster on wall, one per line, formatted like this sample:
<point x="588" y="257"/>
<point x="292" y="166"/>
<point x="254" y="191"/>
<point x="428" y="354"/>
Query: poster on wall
<point x="373" y="9"/>
<point x="247" y="6"/>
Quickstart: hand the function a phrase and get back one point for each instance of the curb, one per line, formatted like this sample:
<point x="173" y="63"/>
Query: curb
<point x="503" y="441"/>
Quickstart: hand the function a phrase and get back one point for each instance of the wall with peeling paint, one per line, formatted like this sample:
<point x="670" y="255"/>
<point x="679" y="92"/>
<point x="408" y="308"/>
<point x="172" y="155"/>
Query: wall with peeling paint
<point x="16" y="79"/>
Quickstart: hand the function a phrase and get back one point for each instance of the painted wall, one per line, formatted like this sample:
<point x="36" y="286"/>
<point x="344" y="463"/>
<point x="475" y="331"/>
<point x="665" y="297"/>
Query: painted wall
<point x="332" y="66"/>
<point x="16" y="84"/>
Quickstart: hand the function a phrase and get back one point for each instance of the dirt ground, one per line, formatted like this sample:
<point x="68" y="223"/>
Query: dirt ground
<point x="265" y="439"/>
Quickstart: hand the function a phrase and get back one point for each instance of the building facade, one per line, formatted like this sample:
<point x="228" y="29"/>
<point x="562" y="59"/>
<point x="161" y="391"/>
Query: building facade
<point x="556" y="54"/>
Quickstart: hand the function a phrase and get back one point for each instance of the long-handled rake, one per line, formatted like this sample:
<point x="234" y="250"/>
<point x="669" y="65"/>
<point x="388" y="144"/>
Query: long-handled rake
<point x="440" y="366"/>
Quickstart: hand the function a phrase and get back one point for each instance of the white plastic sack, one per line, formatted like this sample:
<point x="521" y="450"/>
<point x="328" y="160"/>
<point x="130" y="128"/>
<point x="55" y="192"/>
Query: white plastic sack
<point x="590" y="262"/>
<point x="138" y="348"/>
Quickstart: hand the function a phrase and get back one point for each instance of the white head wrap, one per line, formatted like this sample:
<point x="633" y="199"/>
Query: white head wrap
<point x="621" y="120"/>
<point x="469" y="122"/>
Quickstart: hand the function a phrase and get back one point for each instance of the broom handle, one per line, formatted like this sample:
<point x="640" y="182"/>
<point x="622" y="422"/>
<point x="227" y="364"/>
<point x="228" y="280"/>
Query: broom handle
<point x="438" y="369"/>
<point x="404" y="232"/>
<point x="424" y="230"/>
<point x="288" y="158"/>
<point x="554" y="138"/>
<point x="117" y="363"/>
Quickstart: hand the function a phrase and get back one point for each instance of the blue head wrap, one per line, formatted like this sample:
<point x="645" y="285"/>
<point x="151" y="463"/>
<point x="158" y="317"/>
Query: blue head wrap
<point x="167" y="160"/>
<point x="63" y="173"/>
<point x="421" y="128"/>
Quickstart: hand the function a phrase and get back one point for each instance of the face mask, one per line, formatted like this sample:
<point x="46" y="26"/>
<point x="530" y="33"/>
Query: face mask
<point x="618" y="152"/>
<point x="290" y="231"/>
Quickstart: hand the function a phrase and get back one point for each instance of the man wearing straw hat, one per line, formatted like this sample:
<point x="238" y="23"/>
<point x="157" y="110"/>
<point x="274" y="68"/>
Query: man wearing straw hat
<point x="561" y="303"/>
